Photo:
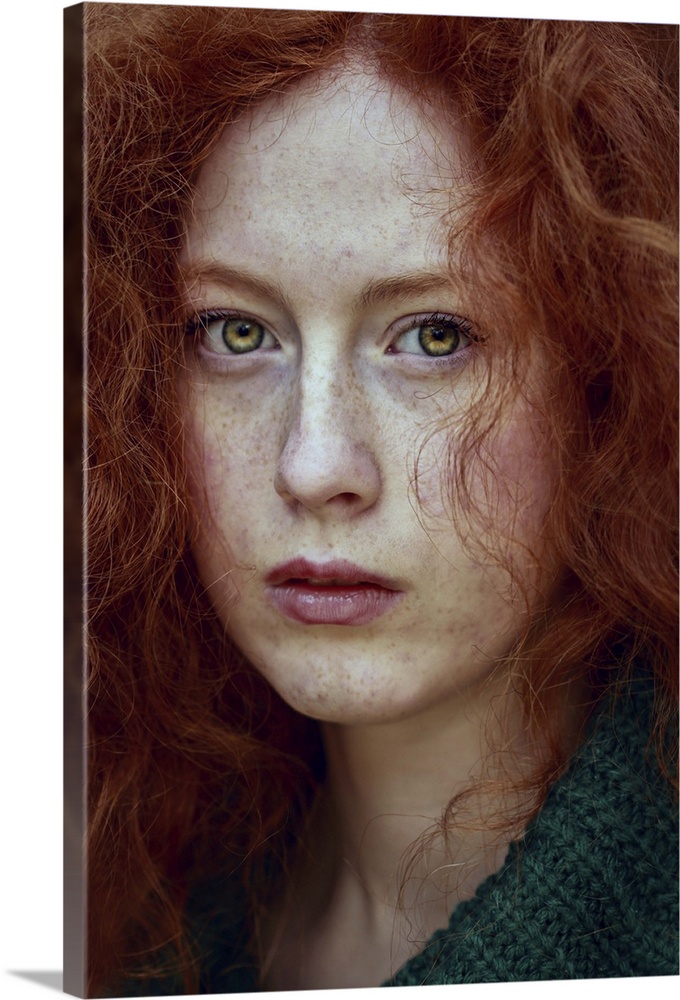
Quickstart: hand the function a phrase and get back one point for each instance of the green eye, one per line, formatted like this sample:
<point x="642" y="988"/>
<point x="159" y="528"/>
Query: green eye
<point x="434" y="336"/>
<point x="220" y="334"/>
<point x="242" y="335"/>
<point x="439" y="339"/>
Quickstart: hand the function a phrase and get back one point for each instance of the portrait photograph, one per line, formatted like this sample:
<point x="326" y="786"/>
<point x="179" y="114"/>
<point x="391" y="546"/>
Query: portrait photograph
<point x="371" y="626"/>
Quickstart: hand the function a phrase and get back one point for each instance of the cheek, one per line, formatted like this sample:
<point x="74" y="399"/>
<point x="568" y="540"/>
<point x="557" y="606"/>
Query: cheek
<point x="497" y="494"/>
<point x="523" y="474"/>
<point x="229" y="453"/>
<point x="513" y="496"/>
<point x="230" y="450"/>
<point x="431" y="479"/>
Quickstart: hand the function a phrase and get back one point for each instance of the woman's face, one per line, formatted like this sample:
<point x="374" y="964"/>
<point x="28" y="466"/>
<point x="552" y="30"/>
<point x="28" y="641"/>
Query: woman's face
<point x="329" y="342"/>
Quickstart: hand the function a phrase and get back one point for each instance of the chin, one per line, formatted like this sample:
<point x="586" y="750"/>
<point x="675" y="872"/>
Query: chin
<point x="345" y="709"/>
<point x="356" y="690"/>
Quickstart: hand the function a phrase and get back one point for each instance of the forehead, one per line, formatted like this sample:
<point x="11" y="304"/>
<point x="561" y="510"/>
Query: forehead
<point x="341" y="165"/>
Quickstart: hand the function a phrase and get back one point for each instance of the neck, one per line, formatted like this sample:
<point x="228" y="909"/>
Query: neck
<point x="365" y="897"/>
<point x="389" y="785"/>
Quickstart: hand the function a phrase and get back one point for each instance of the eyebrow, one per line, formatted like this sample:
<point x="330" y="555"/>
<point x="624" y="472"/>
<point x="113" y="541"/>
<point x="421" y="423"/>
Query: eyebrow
<point x="231" y="277"/>
<point x="403" y="286"/>
<point x="400" y="286"/>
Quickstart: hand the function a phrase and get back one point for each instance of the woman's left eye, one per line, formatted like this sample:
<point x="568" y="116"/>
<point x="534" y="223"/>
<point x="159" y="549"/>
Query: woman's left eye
<point x="230" y="334"/>
<point x="434" y="337"/>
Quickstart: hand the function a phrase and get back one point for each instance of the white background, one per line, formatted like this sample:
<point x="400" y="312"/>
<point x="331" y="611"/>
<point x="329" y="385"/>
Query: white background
<point x="31" y="483"/>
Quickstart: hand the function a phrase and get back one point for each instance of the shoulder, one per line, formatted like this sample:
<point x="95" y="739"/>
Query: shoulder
<point x="591" y="889"/>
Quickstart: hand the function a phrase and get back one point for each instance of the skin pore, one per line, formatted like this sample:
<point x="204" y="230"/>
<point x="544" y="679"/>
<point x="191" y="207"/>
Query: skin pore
<point x="326" y="340"/>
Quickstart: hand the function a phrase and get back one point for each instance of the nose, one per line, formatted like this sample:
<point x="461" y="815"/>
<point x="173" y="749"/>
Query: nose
<point x="328" y="463"/>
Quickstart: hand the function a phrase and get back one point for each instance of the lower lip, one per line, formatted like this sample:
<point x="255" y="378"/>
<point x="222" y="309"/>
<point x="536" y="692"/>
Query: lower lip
<point x="353" y="604"/>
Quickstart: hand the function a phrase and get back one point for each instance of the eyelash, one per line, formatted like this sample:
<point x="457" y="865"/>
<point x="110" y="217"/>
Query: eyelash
<point x="198" y="324"/>
<point x="462" y="327"/>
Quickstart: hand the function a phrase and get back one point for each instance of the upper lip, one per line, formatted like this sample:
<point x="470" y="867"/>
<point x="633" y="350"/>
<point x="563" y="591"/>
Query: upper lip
<point x="339" y="571"/>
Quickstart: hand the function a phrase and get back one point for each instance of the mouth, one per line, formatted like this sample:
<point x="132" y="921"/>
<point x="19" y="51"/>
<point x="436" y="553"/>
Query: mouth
<point x="334" y="593"/>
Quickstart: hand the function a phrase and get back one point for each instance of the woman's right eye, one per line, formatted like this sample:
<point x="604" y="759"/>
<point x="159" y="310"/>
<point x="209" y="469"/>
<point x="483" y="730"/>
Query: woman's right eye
<point x="230" y="334"/>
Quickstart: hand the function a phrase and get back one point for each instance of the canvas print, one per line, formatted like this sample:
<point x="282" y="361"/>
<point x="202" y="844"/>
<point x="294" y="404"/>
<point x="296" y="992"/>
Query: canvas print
<point x="380" y="371"/>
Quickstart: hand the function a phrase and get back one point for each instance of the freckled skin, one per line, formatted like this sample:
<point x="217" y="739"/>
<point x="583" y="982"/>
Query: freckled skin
<point x="308" y="448"/>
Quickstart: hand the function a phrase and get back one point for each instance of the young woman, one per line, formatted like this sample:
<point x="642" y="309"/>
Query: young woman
<point x="381" y="516"/>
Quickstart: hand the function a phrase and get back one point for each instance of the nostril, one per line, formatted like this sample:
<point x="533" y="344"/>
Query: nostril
<point x="347" y="498"/>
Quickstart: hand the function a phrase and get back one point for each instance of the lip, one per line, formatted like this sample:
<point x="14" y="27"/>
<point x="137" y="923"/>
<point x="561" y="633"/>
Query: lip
<point x="331" y="593"/>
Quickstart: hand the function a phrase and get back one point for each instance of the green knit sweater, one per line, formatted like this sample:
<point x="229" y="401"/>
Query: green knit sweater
<point x="590" y="890"/>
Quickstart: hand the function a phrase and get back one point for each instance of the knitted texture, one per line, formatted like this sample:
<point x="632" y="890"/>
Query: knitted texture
<point x="591" y="890"/>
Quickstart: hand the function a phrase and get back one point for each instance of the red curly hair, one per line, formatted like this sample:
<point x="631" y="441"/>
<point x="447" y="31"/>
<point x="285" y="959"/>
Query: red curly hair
<point x="573" y="230"/>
